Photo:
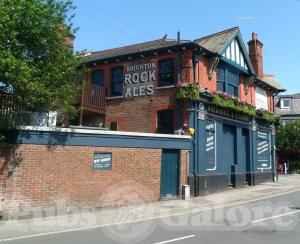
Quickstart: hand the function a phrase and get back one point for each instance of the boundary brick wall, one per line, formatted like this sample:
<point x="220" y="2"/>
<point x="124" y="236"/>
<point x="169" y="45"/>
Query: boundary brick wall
<point x="50" y="173"/>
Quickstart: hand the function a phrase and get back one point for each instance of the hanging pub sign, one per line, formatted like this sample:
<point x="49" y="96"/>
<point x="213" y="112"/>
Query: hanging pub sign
<point x="102" y="161"/>
<point x="138" y="80"/>
<point x="263" y="149"/>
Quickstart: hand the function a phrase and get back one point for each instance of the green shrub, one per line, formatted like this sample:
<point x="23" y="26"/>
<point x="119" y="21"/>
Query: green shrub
<point x="224" y="100"/>
<point x="188" y="91"/>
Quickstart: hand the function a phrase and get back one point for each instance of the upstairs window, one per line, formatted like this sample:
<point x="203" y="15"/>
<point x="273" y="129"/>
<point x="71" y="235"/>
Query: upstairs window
<point x="221" y="80"/>
<point x="166" y="72"/>
<point x="117" y="78"/>
<point x="233" y="83"/>
<point x="261" y="98"/>
<point x="165" y="122"/>
<point x="228" y="81"/>
<point x="285" y="103"/>
<point x="98" y="77"/>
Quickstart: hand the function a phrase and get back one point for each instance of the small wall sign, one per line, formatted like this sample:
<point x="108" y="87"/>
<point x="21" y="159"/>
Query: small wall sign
<point x="210" y="146"/>
<point x="102" y="161"/>
<point x="263" y="149"/>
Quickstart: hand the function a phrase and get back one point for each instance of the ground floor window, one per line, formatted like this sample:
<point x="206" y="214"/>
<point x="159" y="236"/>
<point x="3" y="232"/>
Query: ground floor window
<point x="165" y="121"/>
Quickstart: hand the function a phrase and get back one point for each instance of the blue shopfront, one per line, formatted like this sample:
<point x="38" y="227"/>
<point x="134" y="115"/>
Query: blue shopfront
<point x="228" y="149"/>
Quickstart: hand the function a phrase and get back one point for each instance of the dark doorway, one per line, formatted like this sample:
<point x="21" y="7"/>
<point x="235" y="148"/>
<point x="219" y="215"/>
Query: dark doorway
<point x="169" y="179"/>
<point x="229" y="155"/>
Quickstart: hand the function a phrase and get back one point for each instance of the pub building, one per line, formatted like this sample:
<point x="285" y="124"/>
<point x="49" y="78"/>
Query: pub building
<point x="133" y="89"/>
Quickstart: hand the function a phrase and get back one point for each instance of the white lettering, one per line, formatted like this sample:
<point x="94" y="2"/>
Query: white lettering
<point x="142" y="91"/>
<point x="127" y="79"/>
<point x="135" y="94"/>
<point x="135" y="78"/>
<point x="144" y="77"/>
<point x="149" y="90"/>
<point x="128" y="92"/>
<point x="151" y="76"/>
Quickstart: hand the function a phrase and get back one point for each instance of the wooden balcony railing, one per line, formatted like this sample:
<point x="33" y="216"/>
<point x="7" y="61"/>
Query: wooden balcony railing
<point x="8" y="105"/>
<point x="92" y="98"/>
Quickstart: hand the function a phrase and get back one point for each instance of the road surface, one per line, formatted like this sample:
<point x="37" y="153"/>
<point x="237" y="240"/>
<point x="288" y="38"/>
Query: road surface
<point x="273" y="220"/>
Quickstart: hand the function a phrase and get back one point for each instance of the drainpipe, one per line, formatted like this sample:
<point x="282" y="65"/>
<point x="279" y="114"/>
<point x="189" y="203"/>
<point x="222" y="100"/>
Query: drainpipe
<point x="178" y="57"/>
<point x="178" y="79"/>
<point x="195" y="60"/>
<point x="275" y="179"/>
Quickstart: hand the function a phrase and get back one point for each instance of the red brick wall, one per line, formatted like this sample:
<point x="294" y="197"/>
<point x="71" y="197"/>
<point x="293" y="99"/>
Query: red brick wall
<point x="4" y="154"/>
<point x="249" y="96"/>
<point x="107" y="67"/>
<point x="187" y="67"/>
<point x="203" y="73"/>
<point x="65" y="173"/>
<point x="138" y="114"/>
<point x="270" y="101"/>
<point x="256" y="55"/>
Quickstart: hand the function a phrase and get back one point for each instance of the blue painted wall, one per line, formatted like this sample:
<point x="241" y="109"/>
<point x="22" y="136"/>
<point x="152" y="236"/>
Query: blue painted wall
<point x="104" y="140"/>
<point x="246" y="158"/>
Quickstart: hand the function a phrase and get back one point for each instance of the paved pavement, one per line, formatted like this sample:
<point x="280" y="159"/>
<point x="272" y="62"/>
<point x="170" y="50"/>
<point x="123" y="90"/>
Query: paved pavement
<point x="265" y="213"/>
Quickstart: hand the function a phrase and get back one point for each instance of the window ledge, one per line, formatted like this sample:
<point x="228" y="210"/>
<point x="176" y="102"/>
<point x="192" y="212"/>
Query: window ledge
<point x="113" y="98"/>
<point x="164" y="87"/>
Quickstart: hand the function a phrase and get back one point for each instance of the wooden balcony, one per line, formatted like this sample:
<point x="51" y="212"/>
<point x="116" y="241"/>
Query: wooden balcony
<point x="92" y="98"/>
<point x="8" y="105"/>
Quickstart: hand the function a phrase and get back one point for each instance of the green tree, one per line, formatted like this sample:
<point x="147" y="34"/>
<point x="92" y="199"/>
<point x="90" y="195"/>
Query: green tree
<point x="34" y="56"/>
<point x="288" y="136"/>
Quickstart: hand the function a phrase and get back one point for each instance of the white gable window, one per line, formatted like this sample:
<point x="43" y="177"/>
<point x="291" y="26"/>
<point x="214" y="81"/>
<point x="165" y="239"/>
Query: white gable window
<point x="261" y="99"/>
<point x="235" y="54"/>
<point x="237" y="50"/>
<point x="285" y="103"/>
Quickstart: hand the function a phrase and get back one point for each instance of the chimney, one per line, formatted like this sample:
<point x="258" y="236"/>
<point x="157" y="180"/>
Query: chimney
<point x="255" y="54"/>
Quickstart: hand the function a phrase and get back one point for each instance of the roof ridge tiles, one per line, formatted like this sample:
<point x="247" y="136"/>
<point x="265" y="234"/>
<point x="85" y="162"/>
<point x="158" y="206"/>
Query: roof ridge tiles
<point x="133" y="45"/>
<point x="218" y="33"/>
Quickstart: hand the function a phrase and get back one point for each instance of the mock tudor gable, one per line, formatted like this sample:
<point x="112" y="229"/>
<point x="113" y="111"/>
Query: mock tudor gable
<point x="230" y="47"/>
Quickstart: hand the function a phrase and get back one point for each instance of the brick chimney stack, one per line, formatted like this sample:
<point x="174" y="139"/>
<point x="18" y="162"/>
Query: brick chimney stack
<point x="255" y="54"/>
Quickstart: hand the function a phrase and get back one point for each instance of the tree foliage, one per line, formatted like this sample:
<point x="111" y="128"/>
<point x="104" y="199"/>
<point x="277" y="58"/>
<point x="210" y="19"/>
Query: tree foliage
<point x="288" y="136"/>
<point x="34" y="57"/>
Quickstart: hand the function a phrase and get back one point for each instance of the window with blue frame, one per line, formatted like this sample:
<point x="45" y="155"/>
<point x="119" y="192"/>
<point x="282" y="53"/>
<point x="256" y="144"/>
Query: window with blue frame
<point x="233" y="83"/>
<point x="98" y="77"/>
<point x="117" y="78"/>
<point x="221" y="80"/>
<point x="228" y="81"/>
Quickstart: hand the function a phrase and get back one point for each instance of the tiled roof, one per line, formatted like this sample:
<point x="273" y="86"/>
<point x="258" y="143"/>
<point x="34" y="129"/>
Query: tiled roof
<point x="217" y="42"/>
<point x="214" y="43"/>
<point x="272" y="81"/>
<point x="297" y="95"/>
<point x="136" y="48"/>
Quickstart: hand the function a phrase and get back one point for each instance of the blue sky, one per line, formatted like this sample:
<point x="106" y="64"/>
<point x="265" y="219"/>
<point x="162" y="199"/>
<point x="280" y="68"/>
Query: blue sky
<point x="107" y="24"/>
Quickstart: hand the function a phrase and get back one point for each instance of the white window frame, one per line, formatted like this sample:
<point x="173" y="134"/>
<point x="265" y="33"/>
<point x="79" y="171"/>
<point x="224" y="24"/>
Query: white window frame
<point x="282" y="103"/>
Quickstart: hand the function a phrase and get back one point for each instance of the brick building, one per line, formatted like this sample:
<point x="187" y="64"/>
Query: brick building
<point x="132" y="91"/>
<point x="139" y="83"/>
<point x="288" y="107"/>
